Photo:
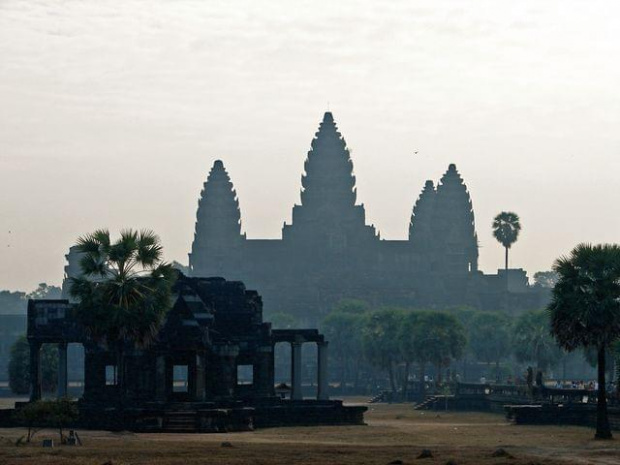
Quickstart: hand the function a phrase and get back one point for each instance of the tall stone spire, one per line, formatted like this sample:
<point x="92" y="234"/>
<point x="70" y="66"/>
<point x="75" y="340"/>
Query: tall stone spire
<point x="421" y="224"/>
<point x="329" y="170"/>
<point x="453" y="224"/>
<point x="328" y="211"/>
<point x="218" y="225"/>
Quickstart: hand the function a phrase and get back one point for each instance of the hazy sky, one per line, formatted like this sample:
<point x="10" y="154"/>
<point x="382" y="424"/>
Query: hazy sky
<point x="112" y="113"/>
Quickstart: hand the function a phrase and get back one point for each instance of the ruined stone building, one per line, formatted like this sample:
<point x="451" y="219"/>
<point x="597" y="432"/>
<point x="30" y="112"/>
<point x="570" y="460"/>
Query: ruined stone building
<point x="329" y="252"/>
<point x="211" y="367"/>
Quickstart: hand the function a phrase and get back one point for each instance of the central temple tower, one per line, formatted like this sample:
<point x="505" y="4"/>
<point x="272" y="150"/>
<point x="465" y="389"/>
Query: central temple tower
<point x="328" y="215"/>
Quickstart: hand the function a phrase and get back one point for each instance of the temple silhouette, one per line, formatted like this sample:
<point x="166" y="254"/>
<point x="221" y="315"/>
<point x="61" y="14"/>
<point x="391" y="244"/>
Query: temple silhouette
<point x="329" y="252"/>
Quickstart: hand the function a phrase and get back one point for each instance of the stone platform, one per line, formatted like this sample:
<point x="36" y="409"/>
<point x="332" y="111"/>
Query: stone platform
<point x="208" y="417"/>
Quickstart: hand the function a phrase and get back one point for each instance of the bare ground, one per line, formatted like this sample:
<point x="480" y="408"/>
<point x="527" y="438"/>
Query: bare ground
<point x="394" y="432"/>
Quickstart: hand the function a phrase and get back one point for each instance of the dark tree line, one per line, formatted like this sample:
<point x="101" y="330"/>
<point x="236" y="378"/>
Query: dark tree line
<point x="388" y="346"/>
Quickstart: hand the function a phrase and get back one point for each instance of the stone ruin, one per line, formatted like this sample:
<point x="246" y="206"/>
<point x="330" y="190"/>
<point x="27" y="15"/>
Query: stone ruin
<point x="215" y="334"/>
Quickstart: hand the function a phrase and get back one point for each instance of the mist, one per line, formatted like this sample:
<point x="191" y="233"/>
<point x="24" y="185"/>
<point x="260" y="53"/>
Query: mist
<point x="113" y="113"/>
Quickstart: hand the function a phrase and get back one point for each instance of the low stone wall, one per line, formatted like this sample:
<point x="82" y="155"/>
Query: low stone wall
<point x="573" y="414"/>
<point x="198" y="418"/>
<point x="211" y="417"/>
<point x="308" y="413"/>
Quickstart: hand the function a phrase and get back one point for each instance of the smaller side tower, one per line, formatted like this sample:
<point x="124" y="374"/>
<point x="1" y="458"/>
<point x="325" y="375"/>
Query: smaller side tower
<point x="216" y="250"/>
<point x="421" y="225"/>
<point x="453" y="226"/>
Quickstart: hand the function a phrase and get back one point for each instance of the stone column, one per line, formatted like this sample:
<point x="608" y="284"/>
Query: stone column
<point x="322" y="375"/>
<point x="35" y="371"/>
<point x="296" y="368"/>
<point x="63" y="380"/>
<point x="200" y="378"/>
<point x="263" y="372"/>
<point x="227" y="370"/>
<point x="161" y="385"/>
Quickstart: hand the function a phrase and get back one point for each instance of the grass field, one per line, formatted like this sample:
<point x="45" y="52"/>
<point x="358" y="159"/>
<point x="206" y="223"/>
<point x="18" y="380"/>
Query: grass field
<point x="394" y="432"/>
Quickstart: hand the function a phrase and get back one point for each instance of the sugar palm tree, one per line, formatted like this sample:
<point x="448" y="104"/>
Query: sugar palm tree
<point x="585" y="309"/>
<point x="125" y="291"/>
<point x="506" y="227"/>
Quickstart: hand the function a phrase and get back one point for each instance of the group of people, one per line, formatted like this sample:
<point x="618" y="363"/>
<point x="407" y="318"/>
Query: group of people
<point x="536" y="380"/>
<point x="528" y="378"/>
<point x="591" y="386"/>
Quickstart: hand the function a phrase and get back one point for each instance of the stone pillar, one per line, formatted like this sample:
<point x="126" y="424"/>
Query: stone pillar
<point x="63" y="380"/>
<point x="296" y="393"/>
<point x="322" y="375"/>
<point x="35" y="371"/>
<point x="263" y="372"/>
<point x="161" y="385"/>
<point x="227" y="370"/>
<point x="200" y="378"/>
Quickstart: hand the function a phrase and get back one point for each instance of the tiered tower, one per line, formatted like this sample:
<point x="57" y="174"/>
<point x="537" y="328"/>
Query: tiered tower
<point x="421" y="234"/>
<point x="216" y="249"/>
<point x="454" y="231"/>
<point x="328" y="214"/>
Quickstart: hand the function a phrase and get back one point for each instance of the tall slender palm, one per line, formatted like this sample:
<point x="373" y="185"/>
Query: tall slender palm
<point x="585" y="309"/>
<point x="125" y="290"/>
<point x="506" y="228"/>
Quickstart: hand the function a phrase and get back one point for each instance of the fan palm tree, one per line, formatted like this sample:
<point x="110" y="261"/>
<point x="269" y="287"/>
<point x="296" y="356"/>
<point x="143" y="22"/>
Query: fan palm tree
<point x="125" y="291"/>
<point x="585" y="309"/>
<point x="506" y="227"/>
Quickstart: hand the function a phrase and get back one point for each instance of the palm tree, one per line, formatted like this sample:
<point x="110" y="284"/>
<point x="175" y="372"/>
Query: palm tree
<point x="506" y="227"/>
<point x="125" y="291"/>
<point x="585" y="309"/>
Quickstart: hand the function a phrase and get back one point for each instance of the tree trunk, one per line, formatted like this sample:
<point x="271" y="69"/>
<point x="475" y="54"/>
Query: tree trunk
<point x="120" y="373"/>
<point x="422" y="382"/>
<point x="603" y="431"/>
<point x="343" y="374"/>
<point x="406" y="382"/>
<point x="497" y="378"/>
<point x="564" y="368"/>
<point x="392" y="382"/>
<point x="356" y="378"/>
<point x="438" y="374"/>
<point x="506" y="260"/>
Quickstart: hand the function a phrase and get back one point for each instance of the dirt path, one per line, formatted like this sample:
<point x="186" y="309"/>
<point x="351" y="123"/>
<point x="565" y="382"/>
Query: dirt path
<point x="393" y="432"/>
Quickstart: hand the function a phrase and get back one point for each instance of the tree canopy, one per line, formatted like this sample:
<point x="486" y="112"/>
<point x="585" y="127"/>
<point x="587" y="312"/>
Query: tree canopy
<point x="533" y="342"/>
<point x="490" y="336"/>
<point x="585" y="309"/>
<point x="124" y="293"/>
<point x="506" y="228"/>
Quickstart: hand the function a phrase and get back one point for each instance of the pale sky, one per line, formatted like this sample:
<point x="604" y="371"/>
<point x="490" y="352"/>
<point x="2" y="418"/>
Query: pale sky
<point x="112" y="113"/>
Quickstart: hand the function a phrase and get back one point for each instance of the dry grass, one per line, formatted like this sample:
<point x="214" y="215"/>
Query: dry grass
<point x="9" y="402"/>
<point x="394" y="432"/>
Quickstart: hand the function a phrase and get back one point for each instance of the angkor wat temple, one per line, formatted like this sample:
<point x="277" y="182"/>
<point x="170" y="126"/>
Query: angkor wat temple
<point x="329" y="252"/>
